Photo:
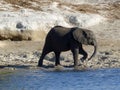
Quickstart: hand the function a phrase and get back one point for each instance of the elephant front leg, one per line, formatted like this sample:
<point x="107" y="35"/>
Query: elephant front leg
<point x="75" y="57"/>
<point x="83" y="52"/>
<point x="57" y="61"/>
<point x="77" y="66"/>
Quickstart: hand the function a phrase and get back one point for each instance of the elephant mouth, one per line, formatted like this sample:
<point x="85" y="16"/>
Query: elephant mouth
<point x="94" y="53"/>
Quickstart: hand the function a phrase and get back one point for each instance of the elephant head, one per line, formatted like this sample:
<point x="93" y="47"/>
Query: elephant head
<point x="86" y="37"/>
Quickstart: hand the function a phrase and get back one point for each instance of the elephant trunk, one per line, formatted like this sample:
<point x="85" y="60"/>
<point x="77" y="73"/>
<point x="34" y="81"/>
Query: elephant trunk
<point x="94" y="53"/>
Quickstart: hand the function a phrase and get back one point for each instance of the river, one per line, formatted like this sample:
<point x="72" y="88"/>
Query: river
<point x="35" y="79"/>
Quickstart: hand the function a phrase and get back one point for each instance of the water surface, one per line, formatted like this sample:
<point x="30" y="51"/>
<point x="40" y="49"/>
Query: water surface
<point x="103" y="79"/>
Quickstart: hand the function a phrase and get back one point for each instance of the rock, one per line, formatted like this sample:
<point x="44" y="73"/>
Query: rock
<point x="108" y="53"/>
<point x="104" y="58"/>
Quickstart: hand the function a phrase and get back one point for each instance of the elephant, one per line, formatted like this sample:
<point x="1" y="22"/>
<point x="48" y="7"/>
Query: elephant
<point x="61" y="39"/>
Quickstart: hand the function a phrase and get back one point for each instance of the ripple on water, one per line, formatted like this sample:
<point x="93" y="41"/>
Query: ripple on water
<point x="103" y="79"/>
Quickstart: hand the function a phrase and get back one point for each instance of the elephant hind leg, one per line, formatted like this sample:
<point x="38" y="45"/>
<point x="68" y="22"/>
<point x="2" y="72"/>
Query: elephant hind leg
<point x="40" y="62"/>
<point x="57" y="60"/>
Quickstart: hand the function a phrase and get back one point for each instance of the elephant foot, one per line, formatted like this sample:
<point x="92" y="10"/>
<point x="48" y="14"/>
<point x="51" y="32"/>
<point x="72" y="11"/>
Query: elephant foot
<point x="80" y="68"/>
<point x="83" y="59"/>
<point x="59" y="67"/>
<point x="40" y="65"/>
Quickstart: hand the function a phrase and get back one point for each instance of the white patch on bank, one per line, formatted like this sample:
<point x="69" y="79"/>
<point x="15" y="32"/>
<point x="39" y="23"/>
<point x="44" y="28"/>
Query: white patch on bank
<point x="31" y="20"/>
<point x="51" y="15"/>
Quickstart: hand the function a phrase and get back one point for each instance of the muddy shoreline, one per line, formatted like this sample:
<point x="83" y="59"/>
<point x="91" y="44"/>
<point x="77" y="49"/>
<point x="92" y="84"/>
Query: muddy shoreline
<point x="25" y="54"/>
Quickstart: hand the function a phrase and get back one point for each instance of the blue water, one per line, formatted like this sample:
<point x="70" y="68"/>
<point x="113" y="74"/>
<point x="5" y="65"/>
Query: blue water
<point x="103" y="79"/>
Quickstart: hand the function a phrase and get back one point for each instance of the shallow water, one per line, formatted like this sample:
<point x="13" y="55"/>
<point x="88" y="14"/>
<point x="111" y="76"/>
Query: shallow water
<point x="103" y="79"/>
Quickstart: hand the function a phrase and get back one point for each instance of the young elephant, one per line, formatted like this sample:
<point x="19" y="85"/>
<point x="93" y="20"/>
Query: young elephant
<point x="63" y="39"/>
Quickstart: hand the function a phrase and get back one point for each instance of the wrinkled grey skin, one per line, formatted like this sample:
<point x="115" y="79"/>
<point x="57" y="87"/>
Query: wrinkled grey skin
<point x="61" y="39"/>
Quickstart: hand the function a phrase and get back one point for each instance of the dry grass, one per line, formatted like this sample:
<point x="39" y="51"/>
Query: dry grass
<point x="112" y="9"/>
<point x="23" y="3"/>
<point x="19" y="2"/>
<point x="29" y="3"/>
<point x="24" y="35"/>
<point x="38" y="35"/>
<point x="85" y="8"/>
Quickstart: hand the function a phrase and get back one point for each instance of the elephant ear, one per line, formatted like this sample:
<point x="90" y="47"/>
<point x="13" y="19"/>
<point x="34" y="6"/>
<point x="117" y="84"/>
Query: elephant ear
<point x="80" y="36"/>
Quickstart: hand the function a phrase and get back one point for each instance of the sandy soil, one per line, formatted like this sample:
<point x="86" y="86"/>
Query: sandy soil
<point x="22" y="54"/>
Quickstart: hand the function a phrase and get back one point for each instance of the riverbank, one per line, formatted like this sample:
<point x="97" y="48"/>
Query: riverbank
<point x="22" y="54"/>
<point x="19" y="24"/>
<point x="25" y="54"/>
